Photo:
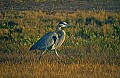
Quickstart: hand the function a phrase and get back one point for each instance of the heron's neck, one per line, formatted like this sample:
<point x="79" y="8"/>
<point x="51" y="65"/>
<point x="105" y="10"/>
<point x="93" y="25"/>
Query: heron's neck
<point x="61" y="34"/>
<point x="60" y="31"/>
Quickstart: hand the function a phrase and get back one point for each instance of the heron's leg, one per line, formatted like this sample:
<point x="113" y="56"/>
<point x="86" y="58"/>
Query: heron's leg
<point x="57" y="54"/>
<point x="42" y="54"/>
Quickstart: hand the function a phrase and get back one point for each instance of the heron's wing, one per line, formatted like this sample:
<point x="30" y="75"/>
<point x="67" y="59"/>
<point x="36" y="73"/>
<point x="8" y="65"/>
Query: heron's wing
<point x="46" y="42"/>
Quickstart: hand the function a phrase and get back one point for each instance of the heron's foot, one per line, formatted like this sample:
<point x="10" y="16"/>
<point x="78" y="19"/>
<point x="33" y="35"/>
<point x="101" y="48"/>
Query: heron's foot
<point x="60" y="61"/>
<point x="39" y="58"/>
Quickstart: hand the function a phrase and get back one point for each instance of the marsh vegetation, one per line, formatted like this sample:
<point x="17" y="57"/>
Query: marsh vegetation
<point x="91" y="48"/>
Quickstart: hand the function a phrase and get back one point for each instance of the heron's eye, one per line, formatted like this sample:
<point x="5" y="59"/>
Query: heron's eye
<point x="60" y="25"/>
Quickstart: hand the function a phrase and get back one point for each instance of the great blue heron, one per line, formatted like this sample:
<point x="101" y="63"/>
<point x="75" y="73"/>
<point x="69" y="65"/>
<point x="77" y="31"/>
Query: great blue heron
<point x="51" y="40"/>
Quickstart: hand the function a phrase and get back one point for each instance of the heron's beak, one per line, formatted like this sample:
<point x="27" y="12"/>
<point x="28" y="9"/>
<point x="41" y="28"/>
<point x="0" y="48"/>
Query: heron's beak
<point x="67" y="25"/>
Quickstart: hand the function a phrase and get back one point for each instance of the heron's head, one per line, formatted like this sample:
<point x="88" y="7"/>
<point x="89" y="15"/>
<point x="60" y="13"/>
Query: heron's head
<point x="62" y="25"/>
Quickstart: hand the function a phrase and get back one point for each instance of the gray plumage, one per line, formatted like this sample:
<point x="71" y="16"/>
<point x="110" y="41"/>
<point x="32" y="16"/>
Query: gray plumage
<point x="46" y="42"/>
<point x="51" y="40"/>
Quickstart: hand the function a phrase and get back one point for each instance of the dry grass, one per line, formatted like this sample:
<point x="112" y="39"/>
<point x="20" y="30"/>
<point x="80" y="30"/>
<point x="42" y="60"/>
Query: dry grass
<point x="96" y="56"/>
<point x="55" y="70"/>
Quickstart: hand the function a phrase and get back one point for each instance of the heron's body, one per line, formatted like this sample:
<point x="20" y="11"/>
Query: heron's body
<point x="51" y="40"/>
<point x="47" y="42"/>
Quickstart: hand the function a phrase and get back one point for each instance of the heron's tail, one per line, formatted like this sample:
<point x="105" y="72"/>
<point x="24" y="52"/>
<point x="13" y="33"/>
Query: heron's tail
<point x="32" y="48"/>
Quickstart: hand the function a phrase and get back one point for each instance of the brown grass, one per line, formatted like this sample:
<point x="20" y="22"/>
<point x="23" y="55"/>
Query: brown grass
<point x="55" y="70"/>
<point x="83" y="58"/>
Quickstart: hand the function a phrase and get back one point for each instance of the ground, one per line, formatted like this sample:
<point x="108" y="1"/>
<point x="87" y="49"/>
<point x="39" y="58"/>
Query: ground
<point x="91" y="48"/>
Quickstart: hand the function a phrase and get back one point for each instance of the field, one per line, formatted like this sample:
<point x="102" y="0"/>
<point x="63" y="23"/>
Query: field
<point x="91" y="48"/>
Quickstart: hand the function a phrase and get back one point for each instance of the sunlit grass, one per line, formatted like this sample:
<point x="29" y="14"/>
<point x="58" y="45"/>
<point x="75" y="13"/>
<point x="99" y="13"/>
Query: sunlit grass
<point x="51" y="70"/>
<point x="89" y="50"/>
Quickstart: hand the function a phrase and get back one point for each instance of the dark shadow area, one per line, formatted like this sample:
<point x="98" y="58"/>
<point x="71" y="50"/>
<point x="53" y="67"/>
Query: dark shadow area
<point x="58" y="5"/>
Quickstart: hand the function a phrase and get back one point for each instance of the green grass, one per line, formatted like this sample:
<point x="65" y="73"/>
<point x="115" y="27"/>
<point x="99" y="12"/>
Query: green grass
<point x="91" y="48"/>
